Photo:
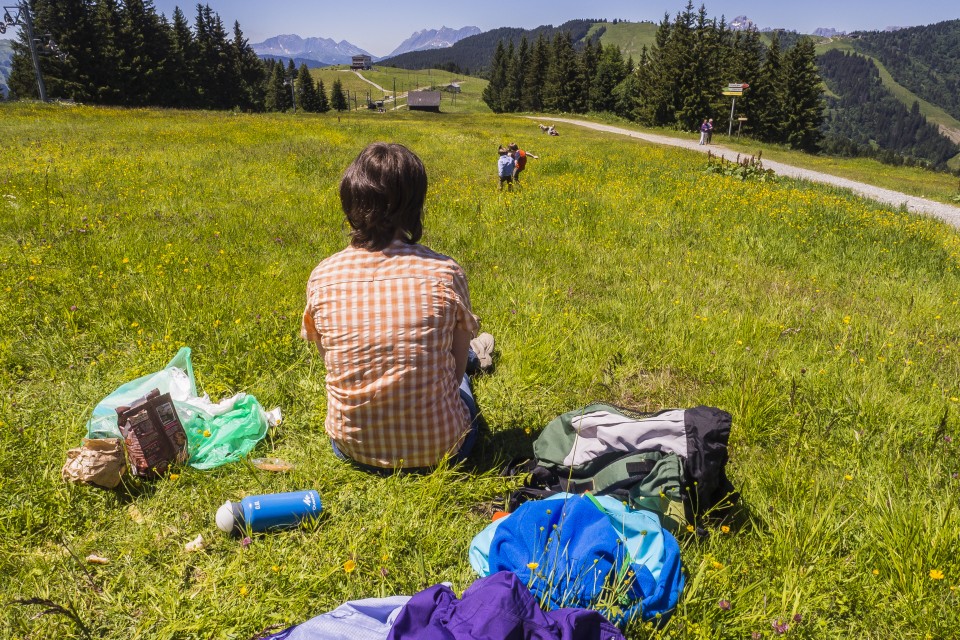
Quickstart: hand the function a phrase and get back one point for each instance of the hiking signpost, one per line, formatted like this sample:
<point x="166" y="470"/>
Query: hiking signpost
<point x="733" y="90"/>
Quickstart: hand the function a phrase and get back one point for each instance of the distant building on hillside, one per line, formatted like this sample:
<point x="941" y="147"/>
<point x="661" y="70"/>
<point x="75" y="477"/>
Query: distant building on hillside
<point x="361" y="62"/>
<point x="424" y="101"/>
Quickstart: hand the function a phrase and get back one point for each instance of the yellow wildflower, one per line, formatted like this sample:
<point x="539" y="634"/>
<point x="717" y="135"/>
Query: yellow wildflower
<point x="936" y="574"/>
<point x="349" y="566"/>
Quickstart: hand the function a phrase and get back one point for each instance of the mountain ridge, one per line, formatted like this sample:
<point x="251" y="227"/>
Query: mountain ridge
<point x="325" y="51"/>
<point x="433" y="39"/>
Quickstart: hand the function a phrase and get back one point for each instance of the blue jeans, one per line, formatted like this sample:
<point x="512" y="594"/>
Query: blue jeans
<point x="469" y="440"/>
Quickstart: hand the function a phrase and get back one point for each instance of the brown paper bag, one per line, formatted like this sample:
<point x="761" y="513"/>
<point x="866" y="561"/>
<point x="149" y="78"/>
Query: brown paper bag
<point x="99" y="461"/>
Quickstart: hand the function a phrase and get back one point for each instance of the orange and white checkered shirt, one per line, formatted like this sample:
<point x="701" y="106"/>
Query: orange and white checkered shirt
<point x="385" y="320"/>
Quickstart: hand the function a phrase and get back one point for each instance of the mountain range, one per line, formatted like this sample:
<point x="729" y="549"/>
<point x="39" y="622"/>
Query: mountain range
<point x="317" y="52"/>
<point x="433" y="39"/>
<point x="324" y="51"/>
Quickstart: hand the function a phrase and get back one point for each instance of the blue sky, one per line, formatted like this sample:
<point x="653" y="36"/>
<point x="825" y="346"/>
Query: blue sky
<point x="380" y="25"/>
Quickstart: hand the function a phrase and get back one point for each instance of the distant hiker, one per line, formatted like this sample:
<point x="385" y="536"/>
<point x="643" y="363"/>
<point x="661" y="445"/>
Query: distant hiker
<point x="709" y="130"/>
<point x="552" y="131"/>
<point x="520" y="160"/>
<point x="505" y="166"/>
<point x="704" y="128"/>
<point x="394" y="324"/>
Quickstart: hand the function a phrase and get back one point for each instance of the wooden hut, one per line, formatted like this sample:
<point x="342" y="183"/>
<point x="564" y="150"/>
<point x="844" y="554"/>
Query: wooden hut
<point x="424" y="101"/>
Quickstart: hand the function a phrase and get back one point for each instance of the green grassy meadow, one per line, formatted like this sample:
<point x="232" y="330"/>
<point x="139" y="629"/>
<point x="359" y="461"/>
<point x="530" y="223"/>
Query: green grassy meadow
<point x="467" y="101"/>
<point x="827" y="325"/>
<point x="631" y="37"/>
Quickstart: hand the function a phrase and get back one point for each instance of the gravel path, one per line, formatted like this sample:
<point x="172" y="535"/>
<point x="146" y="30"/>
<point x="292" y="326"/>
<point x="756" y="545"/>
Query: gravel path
<point x="948" y="213"/>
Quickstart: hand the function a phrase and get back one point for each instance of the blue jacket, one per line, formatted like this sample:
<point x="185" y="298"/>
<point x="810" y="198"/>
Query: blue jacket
<point x="567" y="546"/>
<point x="505" y="166"/>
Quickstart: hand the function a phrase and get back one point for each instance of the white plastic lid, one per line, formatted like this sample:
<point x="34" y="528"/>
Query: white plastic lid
<point x="225" y="521"/>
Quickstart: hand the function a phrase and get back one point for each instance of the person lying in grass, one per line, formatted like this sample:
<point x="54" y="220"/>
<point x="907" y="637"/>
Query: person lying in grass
<point x="394" y="324"/>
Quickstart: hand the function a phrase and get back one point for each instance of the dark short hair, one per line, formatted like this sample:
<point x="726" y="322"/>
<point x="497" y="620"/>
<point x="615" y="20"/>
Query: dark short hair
<point x="382" y="191"/>
<point x="513" y="146"/>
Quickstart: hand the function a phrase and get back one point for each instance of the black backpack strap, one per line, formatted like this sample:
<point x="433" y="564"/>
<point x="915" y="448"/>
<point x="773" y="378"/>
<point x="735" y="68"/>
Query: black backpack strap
<point x="538" y="482"/>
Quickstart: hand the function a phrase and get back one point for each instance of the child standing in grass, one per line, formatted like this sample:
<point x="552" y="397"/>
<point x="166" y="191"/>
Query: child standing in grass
<point x="393" y="322"/>
<point x="505" y="167"/>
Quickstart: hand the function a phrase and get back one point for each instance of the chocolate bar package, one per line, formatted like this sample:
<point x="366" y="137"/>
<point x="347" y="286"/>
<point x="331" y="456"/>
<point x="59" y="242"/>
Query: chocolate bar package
<point x="153" y="434"/>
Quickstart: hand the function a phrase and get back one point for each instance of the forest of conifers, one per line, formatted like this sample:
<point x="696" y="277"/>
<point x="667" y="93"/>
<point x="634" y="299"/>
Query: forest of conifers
<point x="926" y="60"/>
<point x="864" y="118"/>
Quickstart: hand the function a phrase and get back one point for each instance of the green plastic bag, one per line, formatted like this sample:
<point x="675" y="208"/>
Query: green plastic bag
<point x="216" y="433"/>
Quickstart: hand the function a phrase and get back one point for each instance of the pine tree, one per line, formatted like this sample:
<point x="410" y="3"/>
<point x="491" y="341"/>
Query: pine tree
<point x="531" y="95"/>
<point x="746" y="65"/>
<point x="337" y="98"/>
<point x="803" y="97"/>
<point x="307" y="98"/>
<point x="626" y="97"/>
<point x="513" y="96"/>
<point x="562" y="77"/>
<point x="105" y="72"/>
<point x="493" y="92"/>
<point x="690" y="104"/>
<point x="277" y="98"/>
<point x="323" y="104"/>
<point x="767" y="95"/>
<point x="611" y="71"/>
<point x="510" y="95"/>
<point x="586" y="70"/>
<point x="250" y="71"/>
<point x="145" y="47"/>
<point x="219" y="77"/>
<point x="654" y="105"/>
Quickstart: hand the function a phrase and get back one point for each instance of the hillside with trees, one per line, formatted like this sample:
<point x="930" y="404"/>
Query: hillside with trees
<point x="128" y="55"/>
<point x="865" y="119"/>
<point x="925" y="60"/>
<point x="474" y="55"/>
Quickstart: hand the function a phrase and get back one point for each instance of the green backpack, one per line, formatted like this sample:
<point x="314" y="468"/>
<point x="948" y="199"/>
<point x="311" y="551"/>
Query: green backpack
<point x="671" y="462"/>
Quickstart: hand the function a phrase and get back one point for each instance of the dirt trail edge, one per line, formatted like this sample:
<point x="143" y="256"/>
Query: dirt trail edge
<point x="914" y="204"/>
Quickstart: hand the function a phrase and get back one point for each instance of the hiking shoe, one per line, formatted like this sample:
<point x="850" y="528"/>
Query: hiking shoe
<point x="482" y="345"/>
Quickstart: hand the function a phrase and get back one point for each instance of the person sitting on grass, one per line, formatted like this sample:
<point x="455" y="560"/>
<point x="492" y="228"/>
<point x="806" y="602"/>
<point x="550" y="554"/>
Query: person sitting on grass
<point x="505" y="166"/>
<point x="394" y="324"/>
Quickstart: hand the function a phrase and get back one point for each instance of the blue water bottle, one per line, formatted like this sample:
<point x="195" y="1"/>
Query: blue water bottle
<point x="268" y="512"/>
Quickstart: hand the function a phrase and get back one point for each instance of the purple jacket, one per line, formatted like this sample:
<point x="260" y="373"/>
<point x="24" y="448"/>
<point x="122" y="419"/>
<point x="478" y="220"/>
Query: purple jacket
<point x="498" y="607"/>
